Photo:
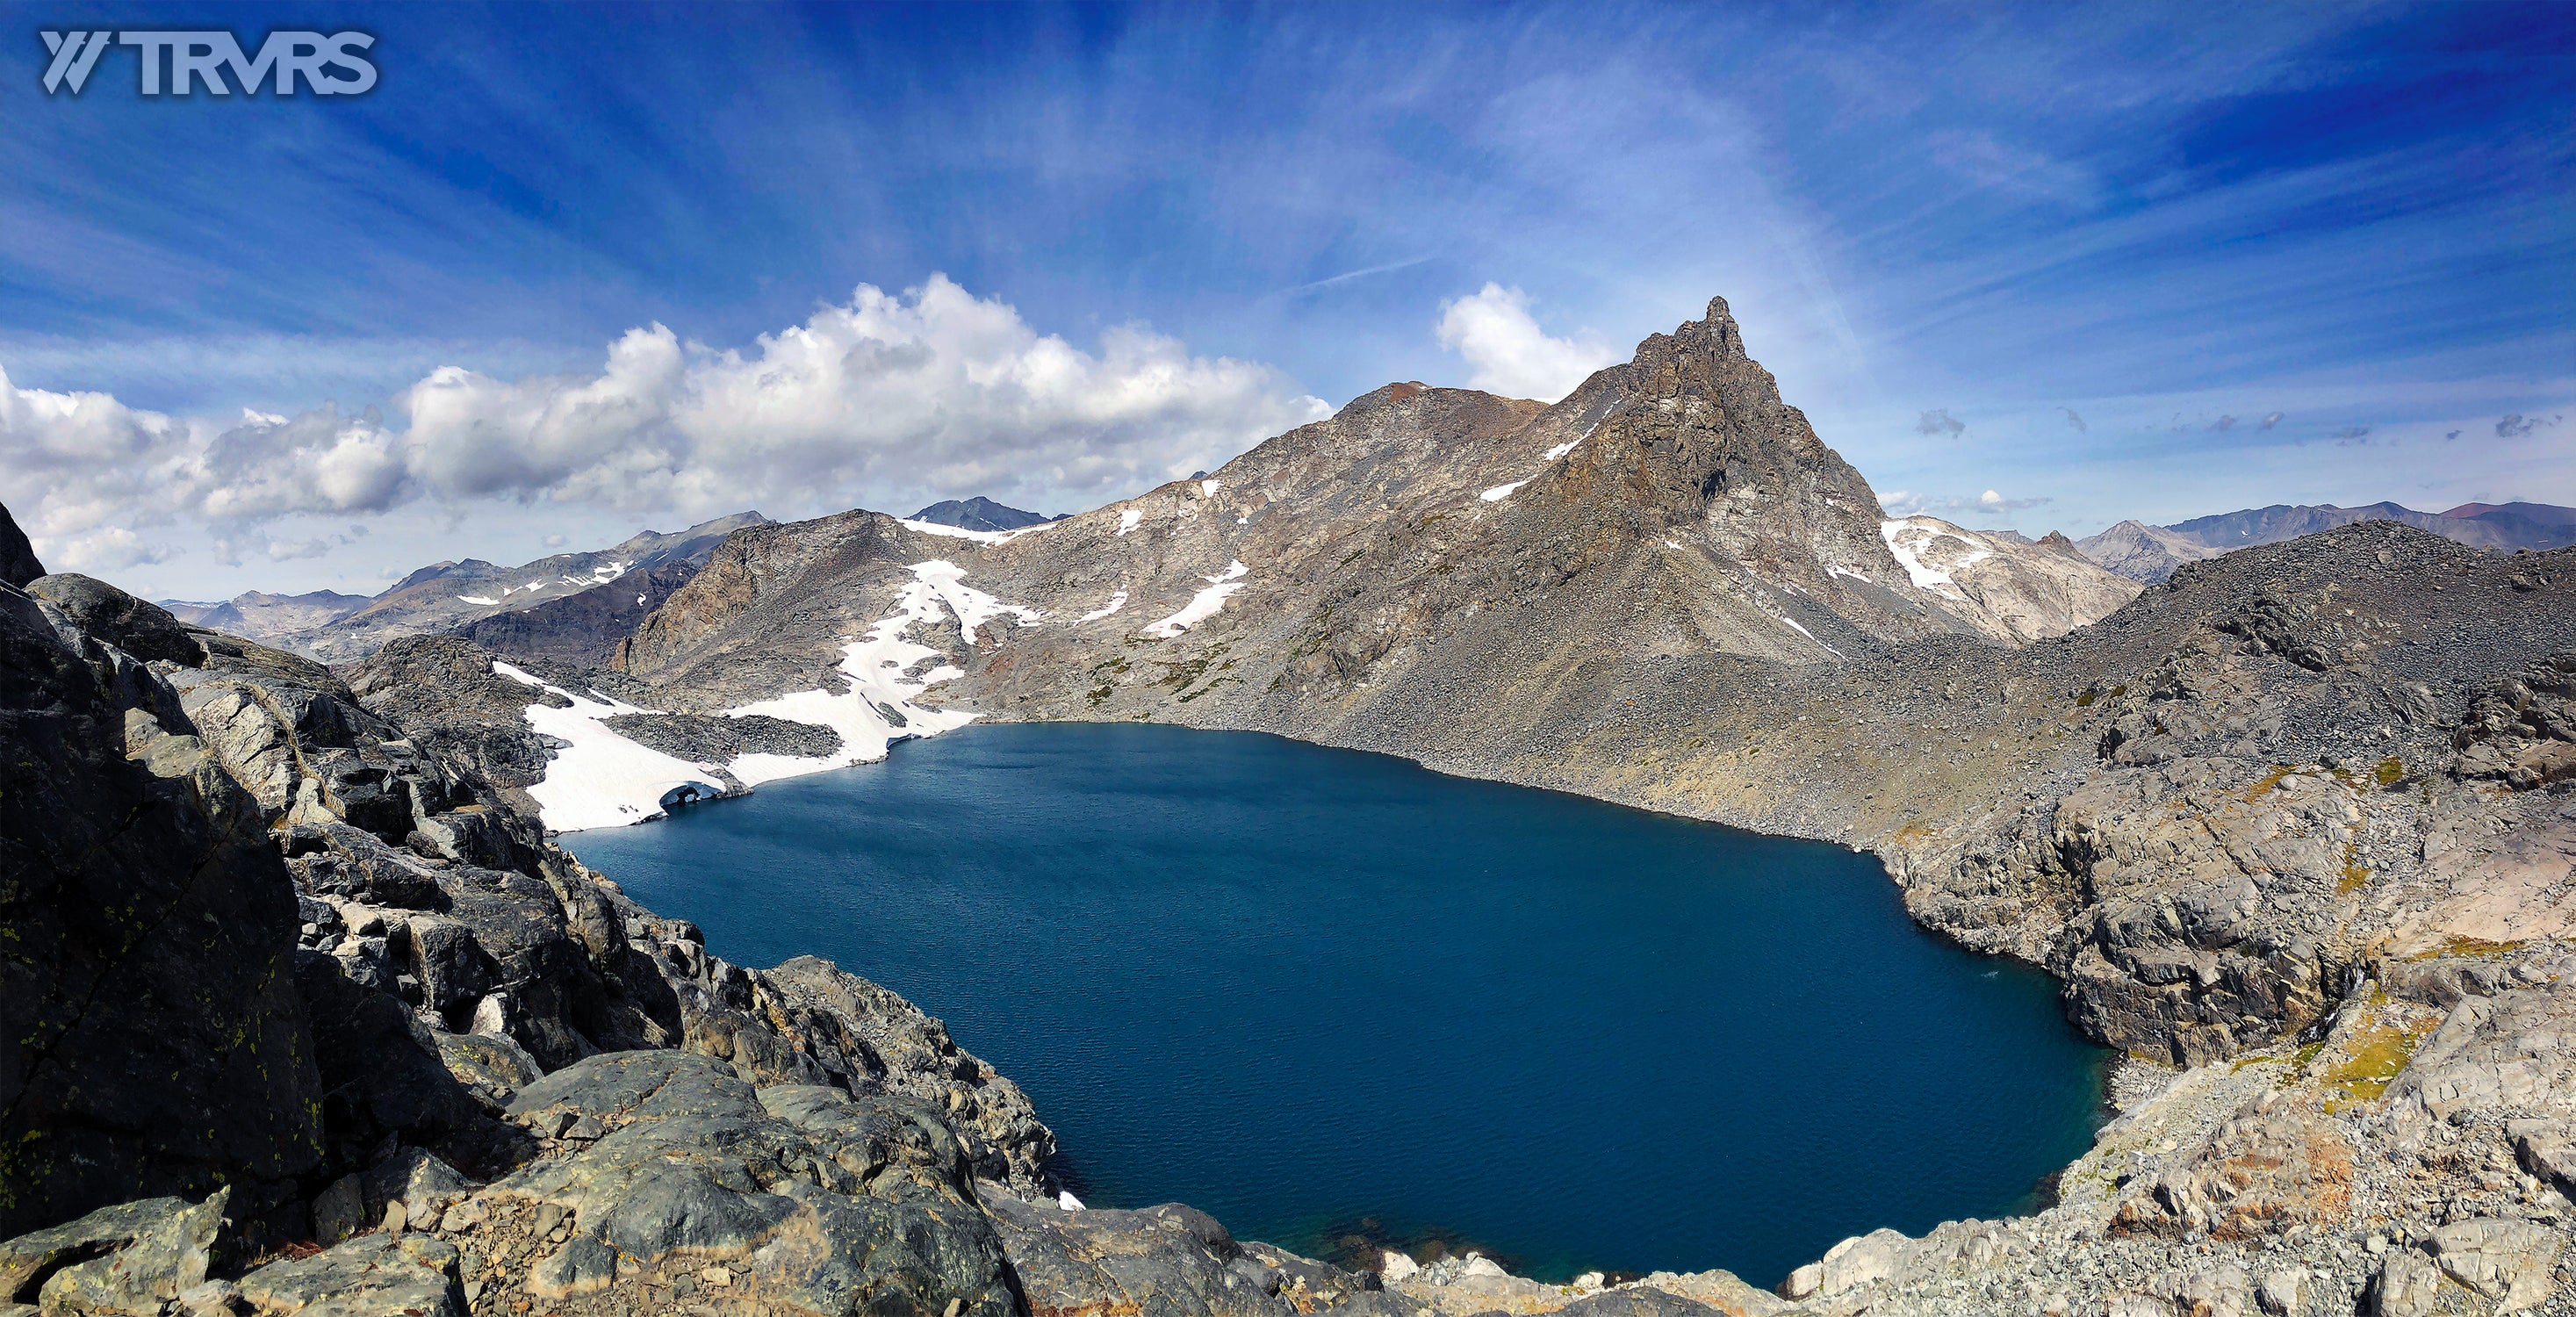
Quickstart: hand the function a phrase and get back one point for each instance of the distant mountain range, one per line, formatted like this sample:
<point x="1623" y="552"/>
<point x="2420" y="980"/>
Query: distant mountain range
<point x="455" y="596"/>
<point x="572" y="607"/>
<point x="2151" y="553"/>
<point x="254" y="613"/>
<point x="980" y="513"/>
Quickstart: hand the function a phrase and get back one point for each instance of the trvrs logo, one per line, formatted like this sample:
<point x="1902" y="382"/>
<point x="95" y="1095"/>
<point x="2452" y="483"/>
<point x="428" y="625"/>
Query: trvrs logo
<point x="329" y="65"/>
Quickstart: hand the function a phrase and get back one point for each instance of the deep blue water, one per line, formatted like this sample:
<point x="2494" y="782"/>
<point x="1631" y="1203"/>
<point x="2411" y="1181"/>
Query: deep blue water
<point x="1323" y="994"/>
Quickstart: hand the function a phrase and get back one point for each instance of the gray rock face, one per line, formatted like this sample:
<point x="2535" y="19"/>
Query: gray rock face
<point x="831" y="1203"/>
<point x="373" y="1275"/>
<point x="449" y="596"/>
<point x="18" y="563"/>
<point x="144" y="630"/>
<point x="580" y="630"/>
<point x="129" y="1258"/>
<point x="1167" y="1259"/>
<point x="706" y="740"/>
<point x="427" y="961"/>
<point x="443" y="692"/>
<point x="151" y="1039"/>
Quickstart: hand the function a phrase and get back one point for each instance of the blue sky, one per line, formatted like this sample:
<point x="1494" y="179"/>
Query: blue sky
<point x="2074" y="256"/>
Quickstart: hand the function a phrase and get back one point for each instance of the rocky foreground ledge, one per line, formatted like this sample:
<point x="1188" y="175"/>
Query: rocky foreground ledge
<point x="301" y="1012"/>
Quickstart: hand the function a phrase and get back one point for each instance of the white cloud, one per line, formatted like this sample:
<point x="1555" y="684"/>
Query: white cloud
<point x="1511" y="355"/>
<point x="1902" y="503"/>
<point x="890" y="400"/>
<point x="931" y="393"/>
<point x="80" y="469"/>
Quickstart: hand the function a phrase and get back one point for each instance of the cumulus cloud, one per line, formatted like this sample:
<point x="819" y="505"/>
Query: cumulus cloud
<point x="1510" y="354"/>
<point x="936" y="392"/>
<point x="2270" y="421"/>
<point x="889" y="400"/>
<point x="1940" y="422"/>
<point x="2514" y="426"/>
<point x="79" y="470"/>
<point x="1901" y="503"/>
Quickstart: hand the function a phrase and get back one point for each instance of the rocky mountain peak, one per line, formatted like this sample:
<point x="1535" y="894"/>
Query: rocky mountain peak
<point x="1692" y="434"/>
<point x="18" y="563"/>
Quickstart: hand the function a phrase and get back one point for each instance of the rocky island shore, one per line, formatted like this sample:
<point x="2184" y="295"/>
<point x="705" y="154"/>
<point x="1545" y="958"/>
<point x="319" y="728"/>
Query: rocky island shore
<point x="305" y="1011"/>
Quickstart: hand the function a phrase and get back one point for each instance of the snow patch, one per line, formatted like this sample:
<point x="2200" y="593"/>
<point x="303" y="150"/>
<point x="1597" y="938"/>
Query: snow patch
<point x="1202" y="605"/>
<point x="1562" y="449"/>
<point x="478" y="599"/>
<point x="1207" y="488"/>
<point x="1127" y="519"/>
<point x="979" y="536"/>
<point x="1116" y="602"/>
<point x="600" y="779"/>
<point x="874" y="667"/>
<point x="973" y="607"/>
<point x="1811" y="636"/>
<point x="1916" y="540"/>
<point x="1845" y="571"/>
<point x="1500" y="492"/>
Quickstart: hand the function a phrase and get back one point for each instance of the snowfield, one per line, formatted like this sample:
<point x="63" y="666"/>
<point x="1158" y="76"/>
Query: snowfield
<point x="1117" y="601"/>
<point x="1916" y="542"/>
<point x="973" y="607"/>
<point x="601" y="779"/>
<point x="979" y="536"/>
<point x="1202" y="605"/>
<point x="604" y="780"/>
